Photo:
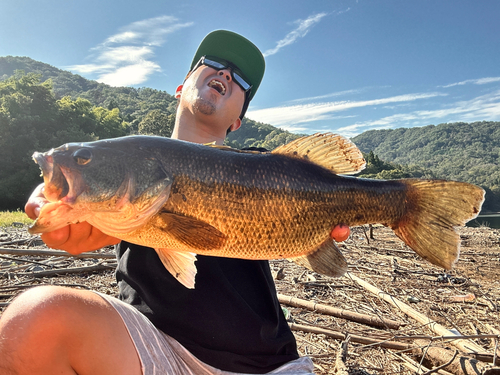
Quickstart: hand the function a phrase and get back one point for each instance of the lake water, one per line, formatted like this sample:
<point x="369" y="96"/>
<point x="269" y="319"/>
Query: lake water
<point x="492" y="221"/>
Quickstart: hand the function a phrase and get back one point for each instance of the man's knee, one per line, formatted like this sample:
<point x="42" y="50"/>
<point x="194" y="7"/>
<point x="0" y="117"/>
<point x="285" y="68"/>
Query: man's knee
<point x="61" y="326"/>
<point x="38" y="316"/>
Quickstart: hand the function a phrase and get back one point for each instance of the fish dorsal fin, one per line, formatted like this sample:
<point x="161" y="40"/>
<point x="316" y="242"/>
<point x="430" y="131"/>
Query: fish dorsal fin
<point x="180" y="265"/>
<point x="325" y="259"/>
<point x="190" y="231"/>
<point x="331" y="151"/>
<point x="256" y="150"/>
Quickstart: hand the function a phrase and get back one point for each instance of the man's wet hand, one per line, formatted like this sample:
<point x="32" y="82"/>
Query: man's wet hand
<point x="74" y="238"/>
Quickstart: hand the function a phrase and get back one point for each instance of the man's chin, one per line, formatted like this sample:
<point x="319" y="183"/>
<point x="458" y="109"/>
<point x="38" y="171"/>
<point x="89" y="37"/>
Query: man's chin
<point x="204" y="107"/>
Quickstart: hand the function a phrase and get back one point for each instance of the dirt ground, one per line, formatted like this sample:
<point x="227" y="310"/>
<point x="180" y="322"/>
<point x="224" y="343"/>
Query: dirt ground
<point x="465" y="300"/>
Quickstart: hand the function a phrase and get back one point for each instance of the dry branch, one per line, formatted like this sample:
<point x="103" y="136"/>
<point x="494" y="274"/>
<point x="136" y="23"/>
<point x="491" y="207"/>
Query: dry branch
<point x="442" y="358"/>
<point x="370" y="320"/>
<point x="340" y="362"/>
<point x="419" y="368"/>
<point x="4" y="250"/>
<point x="65" y="271"/>
<point x="466" y="346"/>
<point x="354" y="338"/>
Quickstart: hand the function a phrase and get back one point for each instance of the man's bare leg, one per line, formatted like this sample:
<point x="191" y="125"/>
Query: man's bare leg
<point x="56" y="330"/>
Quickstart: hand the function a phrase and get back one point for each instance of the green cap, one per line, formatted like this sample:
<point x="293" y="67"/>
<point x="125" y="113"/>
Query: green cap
<point x="237" y="50"/>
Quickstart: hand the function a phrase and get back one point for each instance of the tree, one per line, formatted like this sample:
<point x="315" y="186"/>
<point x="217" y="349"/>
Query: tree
<point x="31" y="119"/>
<point x="157" y="123"/>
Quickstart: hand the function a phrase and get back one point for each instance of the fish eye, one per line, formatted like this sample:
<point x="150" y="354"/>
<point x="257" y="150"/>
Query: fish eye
<point x="82" y="156"/>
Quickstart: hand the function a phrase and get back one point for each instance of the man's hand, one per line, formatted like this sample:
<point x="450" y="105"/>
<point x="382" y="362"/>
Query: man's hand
<point x="340" y="232"/>
<point x="75" y="238"/>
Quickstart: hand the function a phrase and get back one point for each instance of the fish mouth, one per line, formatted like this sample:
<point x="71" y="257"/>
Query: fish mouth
<point x="59" y="181"/>
<point x="217" y="86"/>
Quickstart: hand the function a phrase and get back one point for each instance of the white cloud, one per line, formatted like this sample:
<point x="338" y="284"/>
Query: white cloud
<point x="484" y="107"/>
<point x="302" y="29"/>
<point x="126" y="58"/>
<point x="331" y="95"/>
<point x="479" y="81"/>
<point x="288" y="116"/>
<point x="130" y="74"/>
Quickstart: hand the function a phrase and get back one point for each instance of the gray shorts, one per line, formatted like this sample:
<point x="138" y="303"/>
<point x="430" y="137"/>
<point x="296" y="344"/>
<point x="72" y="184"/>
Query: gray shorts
<point x="161" y="354"/>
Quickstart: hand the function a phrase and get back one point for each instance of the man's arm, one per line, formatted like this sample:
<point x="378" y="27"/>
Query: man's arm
<point x="75" y="238"/>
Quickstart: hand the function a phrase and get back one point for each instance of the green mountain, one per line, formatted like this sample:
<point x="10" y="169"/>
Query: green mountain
<point x="467" y="152"/>
<point x="134" y="104"/>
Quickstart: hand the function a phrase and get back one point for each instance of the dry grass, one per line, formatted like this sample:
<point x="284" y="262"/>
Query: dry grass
<point x="9" y="218"/>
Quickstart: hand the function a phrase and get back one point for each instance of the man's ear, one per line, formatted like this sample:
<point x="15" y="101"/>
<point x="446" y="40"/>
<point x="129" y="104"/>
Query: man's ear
<point x="235" y="125"/>
<point x="178" y="92"/>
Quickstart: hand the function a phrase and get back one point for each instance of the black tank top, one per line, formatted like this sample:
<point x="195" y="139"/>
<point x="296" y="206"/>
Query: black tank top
<point x="232" y="320"/>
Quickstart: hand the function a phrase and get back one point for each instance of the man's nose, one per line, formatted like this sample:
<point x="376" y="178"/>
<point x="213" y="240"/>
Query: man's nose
<point x="226" y="73"/>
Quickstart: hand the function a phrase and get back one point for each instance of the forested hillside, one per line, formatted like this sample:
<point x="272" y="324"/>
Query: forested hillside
<point x="459" y="151"/>
<point x="134" y="104"/>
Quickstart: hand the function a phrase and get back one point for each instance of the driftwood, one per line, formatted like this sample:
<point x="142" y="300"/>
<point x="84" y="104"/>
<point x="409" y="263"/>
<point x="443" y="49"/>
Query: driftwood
<point x="418" y="368"/>
<point x="370" y="320"/>
<point x="340" y="361"/>
<point x="441" y="358"/>
<point x="64" y="271"/>
<point x="466" y="346"/>
<point x="4" y="250"/>
<point x="354" y="338"/>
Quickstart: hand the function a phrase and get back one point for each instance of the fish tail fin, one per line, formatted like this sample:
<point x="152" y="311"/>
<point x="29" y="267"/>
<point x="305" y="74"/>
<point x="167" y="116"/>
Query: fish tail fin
<point x="434" y="208"/>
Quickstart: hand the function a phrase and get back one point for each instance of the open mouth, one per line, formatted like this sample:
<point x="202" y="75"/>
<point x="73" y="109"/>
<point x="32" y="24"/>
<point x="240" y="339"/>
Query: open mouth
<point x="56" y="183"/>
<point x="218" y="86"/>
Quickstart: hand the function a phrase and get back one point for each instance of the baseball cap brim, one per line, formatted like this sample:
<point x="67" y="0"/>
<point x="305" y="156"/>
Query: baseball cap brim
<point x="236" y="49"/>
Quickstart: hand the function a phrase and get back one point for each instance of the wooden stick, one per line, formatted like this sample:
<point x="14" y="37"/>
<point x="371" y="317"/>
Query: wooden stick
<point x="54" y="253"/>
<point x="466" y="346"/>
<point x="370" y="320"/>
<point x="442" y="358"/>
<point x="64" y="271"/>
<point x="354" y="338"/>
<point x="340" y="362"/>
<point x="417" y="367"/>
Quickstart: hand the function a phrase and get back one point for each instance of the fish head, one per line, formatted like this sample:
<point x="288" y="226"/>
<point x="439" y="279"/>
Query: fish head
<point x="117" y="182"/>
<point x="77" y="172"/>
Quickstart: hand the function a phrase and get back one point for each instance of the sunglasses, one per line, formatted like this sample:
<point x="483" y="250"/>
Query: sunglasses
<point x="220" y="65"/>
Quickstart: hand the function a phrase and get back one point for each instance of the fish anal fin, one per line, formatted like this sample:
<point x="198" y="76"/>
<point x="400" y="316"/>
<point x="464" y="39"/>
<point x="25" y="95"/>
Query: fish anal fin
<point x="180" y="265"/>
<point x="191" y="232"/>
<point x="434" y="209"/>
<point x="331" y="151"/>
<point x="325" y="259"/>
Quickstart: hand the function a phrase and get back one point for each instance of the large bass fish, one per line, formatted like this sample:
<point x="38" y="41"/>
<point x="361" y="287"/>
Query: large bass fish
<point x="185" y="199"/>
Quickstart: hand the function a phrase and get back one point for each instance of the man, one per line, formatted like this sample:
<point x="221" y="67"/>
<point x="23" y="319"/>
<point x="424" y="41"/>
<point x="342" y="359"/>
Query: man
<point x="231" y="321"/>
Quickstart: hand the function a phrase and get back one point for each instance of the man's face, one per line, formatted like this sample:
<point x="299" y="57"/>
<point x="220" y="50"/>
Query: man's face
<point x="213" y="93"/>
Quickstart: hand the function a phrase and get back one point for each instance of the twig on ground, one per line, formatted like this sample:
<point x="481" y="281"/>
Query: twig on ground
<point x="340" y="313"/>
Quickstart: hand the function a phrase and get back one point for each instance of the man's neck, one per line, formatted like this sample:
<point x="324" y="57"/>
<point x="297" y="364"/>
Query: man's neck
<point x="187" y="129"/>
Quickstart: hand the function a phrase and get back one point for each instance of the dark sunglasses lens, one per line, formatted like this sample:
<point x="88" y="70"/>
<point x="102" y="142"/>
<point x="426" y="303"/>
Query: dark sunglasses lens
<point x="213" y="64"/>
<point x="217" y="65"/>
<point x="240" y="81"/>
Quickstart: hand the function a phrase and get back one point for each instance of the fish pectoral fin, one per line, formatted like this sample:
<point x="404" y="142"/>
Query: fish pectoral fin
<point x="180" y="265"/>
<point x="325" y="259"/>
<point x="331" y="151"/>
<point x="55" y="215"/>
<point x="190" y="231"/>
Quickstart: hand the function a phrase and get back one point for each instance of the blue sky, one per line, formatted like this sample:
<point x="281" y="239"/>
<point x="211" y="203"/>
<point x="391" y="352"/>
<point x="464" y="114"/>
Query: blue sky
<point x="344" y="66"/>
